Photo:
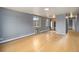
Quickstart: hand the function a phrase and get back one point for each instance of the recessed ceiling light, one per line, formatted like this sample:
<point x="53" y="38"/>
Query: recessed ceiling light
<point x="46" y="9"/>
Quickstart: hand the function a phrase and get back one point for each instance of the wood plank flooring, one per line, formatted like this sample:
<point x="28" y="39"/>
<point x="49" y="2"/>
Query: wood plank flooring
<point x="47" y="42"/>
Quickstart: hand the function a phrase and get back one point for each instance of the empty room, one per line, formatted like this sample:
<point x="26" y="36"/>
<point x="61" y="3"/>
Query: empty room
<point x="39" y="29"/>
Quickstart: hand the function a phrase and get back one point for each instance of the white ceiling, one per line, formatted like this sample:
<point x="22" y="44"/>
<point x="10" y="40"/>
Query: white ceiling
<point x="41" y="12"/>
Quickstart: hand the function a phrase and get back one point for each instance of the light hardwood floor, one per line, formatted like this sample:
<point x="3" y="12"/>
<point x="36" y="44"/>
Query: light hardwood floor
<point x="48" y="41"/>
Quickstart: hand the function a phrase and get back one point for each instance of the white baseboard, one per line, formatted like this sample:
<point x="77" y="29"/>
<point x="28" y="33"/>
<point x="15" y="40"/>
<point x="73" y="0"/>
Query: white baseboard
<point x="25" y="36"/>
<point x="44" y="30"/>
<point x="60" y="33"/>
<point x="16" y="38"/>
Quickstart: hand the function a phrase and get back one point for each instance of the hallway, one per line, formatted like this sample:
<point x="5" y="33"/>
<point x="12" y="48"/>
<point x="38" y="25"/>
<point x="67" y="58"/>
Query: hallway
<point x="39" y="29"/>
<point x="48" y="41"/>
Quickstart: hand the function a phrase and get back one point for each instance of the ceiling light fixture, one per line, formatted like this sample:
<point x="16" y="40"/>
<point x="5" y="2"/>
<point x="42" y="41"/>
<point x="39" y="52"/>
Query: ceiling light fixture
<point x="71" y="16"/>
<point x="54" y="16"/>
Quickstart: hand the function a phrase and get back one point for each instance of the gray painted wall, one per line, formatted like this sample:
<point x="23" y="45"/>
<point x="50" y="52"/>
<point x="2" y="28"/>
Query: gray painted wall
<point x="74" y="24"/>
<point x="77" y="23"/>
<point x="0" y="23"/>
<point x="16" y="24"/>
<point x="61" y="24"/>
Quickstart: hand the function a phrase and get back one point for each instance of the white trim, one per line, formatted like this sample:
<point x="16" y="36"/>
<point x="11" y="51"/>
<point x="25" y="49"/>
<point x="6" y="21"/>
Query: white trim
<point x="16" y="38"/>
<point x="44" y="30"/>
<point x="60" y="33"/>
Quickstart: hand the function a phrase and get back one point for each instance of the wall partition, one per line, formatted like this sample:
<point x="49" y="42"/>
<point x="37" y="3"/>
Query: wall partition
<point x="61" y="24"/>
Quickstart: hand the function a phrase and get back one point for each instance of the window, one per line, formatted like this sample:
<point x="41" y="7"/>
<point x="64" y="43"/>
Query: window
<point x="36" y="21"/>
